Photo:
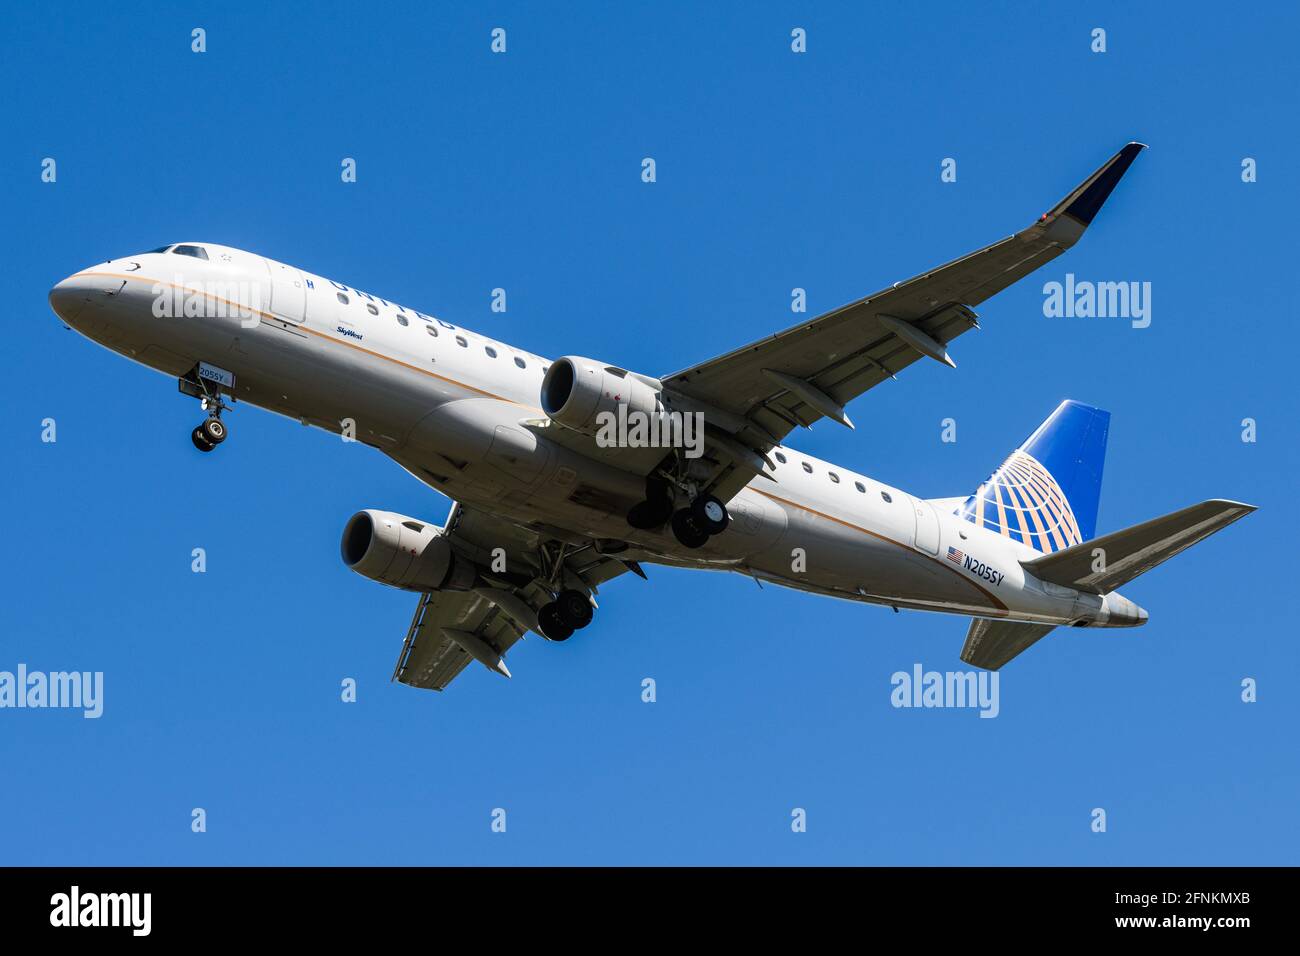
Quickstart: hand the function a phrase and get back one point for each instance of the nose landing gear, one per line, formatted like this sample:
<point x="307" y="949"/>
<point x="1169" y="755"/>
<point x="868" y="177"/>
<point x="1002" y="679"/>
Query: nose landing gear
<point x="210" y="434"/>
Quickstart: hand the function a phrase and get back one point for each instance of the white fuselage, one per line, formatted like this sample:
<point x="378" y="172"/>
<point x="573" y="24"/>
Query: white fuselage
<point x="449" y="406"/>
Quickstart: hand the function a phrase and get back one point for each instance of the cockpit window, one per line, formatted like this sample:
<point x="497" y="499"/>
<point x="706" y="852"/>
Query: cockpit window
<point x="198" y="252"/>
<point x="159" y="249"/>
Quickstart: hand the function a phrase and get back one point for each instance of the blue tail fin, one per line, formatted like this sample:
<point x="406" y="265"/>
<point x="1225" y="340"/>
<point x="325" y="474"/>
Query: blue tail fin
<point x="1045" y="495"/>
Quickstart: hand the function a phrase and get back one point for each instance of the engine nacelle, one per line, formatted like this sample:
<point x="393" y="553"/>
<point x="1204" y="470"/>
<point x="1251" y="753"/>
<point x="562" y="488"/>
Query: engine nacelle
<point x="576" y="390"/>
<point x="404" y="553"/>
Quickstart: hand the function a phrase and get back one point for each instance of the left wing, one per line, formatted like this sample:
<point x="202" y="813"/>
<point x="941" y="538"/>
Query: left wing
<point x="436" y="647"/>
<point x="452" y="628"/>
<point x="813" y="370"/>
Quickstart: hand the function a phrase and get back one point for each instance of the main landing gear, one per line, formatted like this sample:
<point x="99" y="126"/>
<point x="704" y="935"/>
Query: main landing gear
<point x="692" y="526"/>
<point x="570" y="611"/>
<point x="700" y="520"/>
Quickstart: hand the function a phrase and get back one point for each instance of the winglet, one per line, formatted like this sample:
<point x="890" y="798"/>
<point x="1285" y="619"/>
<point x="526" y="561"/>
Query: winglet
<point x="1087" y="199"/>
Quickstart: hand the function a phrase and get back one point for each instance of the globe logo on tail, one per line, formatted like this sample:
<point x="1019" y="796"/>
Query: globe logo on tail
<point x="1022" y="501"/>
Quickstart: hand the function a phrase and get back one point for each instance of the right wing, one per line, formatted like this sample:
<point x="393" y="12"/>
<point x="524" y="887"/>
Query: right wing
<point x="452" y="628"/>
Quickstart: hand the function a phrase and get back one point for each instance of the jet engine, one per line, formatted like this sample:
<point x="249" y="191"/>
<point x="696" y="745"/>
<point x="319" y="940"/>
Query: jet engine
<point x="404" y="553"/>
<point x="576" y="390"/>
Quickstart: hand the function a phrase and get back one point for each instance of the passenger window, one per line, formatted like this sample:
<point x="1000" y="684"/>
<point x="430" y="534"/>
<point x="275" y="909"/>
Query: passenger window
<point x="520" y="362"/>
<point x="432" y="330"/>
<point x="197" y="252"/>
<point x="370" y="307"/>
<point x="807" y="467"/>
<point x="492" y="353"/>
<point x="402" y="320"/>
<point x="780" y="457"/>
<point x="342" y="298"/>
<point x="460" y="340"/>
<point x="834" y="477"/>
<point x="885" y="495"/>
<point x="860" y="486"/>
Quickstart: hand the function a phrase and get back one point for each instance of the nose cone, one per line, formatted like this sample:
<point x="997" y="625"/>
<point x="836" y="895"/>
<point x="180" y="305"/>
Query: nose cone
<point x="68" y="298"/>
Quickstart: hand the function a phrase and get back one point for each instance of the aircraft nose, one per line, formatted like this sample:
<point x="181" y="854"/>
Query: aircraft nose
<point x="68" y="298"/>
<point x="76" y="297"/>
<point x="72" y="298"/>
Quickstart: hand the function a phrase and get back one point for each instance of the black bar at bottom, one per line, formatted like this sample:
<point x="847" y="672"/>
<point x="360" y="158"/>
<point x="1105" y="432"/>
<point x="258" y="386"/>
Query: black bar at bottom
<point x="334" y="904"/>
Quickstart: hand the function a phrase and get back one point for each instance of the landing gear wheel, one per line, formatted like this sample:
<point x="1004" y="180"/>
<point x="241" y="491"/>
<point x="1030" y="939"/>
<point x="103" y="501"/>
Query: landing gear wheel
<point x="574" y="609"/>
<point x="710" y="514"/>
<point x="553" y="629"/>
<point x="687" y="529"/>
<point x="647" y="515"/>
<point x="214" y="430"/>
<point x="201" y="440"/>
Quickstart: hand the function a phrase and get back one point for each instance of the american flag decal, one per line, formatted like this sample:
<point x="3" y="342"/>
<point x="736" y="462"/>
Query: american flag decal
<point x="955" y="556"/>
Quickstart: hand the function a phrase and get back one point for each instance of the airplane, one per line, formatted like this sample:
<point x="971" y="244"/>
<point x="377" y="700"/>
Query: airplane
<point x="544" y="512"/>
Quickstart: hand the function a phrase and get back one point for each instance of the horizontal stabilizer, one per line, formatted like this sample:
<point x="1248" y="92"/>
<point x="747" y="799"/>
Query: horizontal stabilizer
<point x="1136" y="550"/>
<point x="990" y="644"/>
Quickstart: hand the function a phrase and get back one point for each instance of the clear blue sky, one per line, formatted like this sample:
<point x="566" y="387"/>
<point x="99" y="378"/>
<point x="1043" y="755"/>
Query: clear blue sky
<point x="522" y="171"/>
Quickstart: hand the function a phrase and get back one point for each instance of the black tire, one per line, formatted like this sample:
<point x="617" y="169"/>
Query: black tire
<point x="657" y="489"/>
<point x="574" y="609"/>
<point x="662" y="509"/>
<point x="687" y="531"/>
<point x="710" y="514"/>
<point x="553" y="629"/>
<point x="214" y="430"/>
<point x="641" y="516"/>
<point x="200" y="440"/>
<point x="648" y="515"/>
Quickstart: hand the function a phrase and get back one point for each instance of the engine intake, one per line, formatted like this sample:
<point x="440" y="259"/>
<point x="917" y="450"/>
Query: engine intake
<point x="404" y="553"/>
<point x="577" y="390"/>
